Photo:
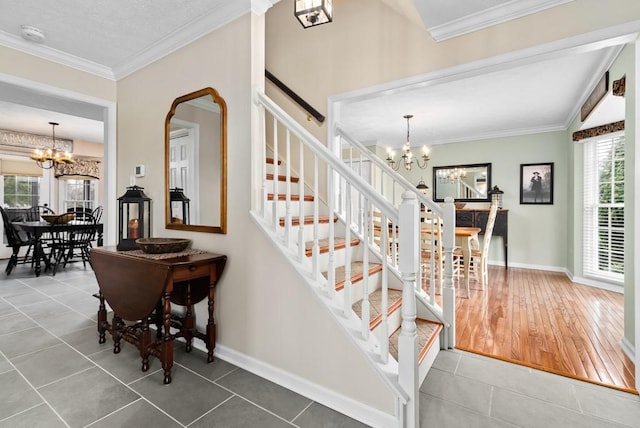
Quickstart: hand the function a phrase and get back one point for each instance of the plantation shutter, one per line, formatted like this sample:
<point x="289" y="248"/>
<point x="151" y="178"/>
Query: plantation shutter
<point x="603" y="228"/>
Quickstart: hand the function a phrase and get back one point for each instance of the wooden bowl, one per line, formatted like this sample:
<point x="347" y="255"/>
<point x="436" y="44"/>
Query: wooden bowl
<point x="459" y="205"/>
<point x="162" y="245"/>
<point x="58" y="218"/>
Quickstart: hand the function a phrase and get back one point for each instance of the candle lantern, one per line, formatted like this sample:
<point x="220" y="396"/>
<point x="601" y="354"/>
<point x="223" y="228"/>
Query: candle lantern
<point x="134" y="219"/>
<point x="179" y="206"/>
<point x="496" y="196"/>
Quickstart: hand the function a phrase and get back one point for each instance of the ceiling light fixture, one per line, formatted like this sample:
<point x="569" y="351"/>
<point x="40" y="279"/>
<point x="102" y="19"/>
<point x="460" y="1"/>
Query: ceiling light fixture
<point x="47" y="159"/>
<point x="407" y="155"/>
<point x="32" y="34"/>
<point x="313" y="12"/>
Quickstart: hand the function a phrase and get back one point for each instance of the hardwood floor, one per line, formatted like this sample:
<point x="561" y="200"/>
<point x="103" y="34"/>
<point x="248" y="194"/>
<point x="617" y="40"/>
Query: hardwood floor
<point x="543" y="320"/>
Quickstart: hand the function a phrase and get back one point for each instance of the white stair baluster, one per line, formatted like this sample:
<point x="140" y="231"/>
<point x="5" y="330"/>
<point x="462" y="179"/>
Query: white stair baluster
<point x="301" y="226"/>
<point x="288" y="217"/>
<point x="316" y="201"/>
<point x="275" y="174"/>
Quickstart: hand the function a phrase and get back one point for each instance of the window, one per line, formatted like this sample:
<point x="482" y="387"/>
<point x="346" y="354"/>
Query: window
<point x="21" y="191"/>
<point x="604" y="208"/>
<point x="79" y="195"/>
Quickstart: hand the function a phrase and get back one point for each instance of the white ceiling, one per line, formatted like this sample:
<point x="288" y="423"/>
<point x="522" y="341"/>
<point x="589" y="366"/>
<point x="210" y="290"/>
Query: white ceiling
<point x="113" y="38"/>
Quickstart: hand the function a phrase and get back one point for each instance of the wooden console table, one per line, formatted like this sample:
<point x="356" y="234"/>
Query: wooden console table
<point x="140" y="289"/>
<point x="469" y="217"/>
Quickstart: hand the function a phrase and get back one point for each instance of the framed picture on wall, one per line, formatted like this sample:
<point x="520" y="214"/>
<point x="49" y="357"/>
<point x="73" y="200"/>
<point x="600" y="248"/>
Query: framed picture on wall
<point x="536" y="183"/>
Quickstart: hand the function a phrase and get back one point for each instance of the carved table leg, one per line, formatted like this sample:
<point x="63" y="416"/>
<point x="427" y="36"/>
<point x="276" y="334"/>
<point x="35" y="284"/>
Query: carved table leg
<point x="102" y="319"/>
<point x="167" y="343"/>
<point x="187" y="325"/>
<point x="117" y="326"/>
<point x="211" y="326"/>
<point x="145" y="343"/>
<point x="158" y="319"/>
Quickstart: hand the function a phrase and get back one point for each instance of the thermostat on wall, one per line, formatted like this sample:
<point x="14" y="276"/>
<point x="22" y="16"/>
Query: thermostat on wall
<point x="139" y="170"/>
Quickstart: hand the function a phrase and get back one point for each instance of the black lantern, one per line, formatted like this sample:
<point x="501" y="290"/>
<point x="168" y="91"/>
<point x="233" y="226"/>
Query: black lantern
<point x="134" y="219"/>
<point x="422" y="187"/>
<point x="313" y="12"/>
<point x="496" y="196"/>
<point x="179" y="206"/>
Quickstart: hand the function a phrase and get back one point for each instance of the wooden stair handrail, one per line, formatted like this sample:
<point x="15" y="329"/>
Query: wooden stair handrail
<point x="295" y="97"/>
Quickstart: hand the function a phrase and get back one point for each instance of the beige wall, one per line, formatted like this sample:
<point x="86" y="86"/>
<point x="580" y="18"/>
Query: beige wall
<point x="368" y="44"/>
<point x="263" y="310"/>
<point x="39" y="70"/>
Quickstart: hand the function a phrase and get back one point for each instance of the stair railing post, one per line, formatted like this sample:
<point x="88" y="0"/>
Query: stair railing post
<point x="449" y="291"/>
<point x="409" y="263"/>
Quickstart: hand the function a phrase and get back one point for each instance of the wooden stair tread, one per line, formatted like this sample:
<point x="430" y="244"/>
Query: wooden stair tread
<point x="338" y="244"/>
<point x="283" y="178"/>
<point x="271" y="161"/>
<point x="283" y="197"/>
<point x="428" y="332"/>
<point x="295" y="221"/>
<point x="357" y="269"/>
<point x="394" y="300"/>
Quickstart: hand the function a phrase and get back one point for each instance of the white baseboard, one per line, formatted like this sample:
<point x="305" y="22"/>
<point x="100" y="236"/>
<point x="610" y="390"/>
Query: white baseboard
<point x="527" y="266"/>
<point x="578" y="280"/>
<point x="345" y="405"/>
<point x="596" y="284"/>
<point x="628" y="349"/>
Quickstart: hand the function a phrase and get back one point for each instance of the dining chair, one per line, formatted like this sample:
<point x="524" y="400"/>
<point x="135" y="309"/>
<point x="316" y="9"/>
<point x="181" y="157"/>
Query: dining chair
<point x="479" y="256"/>
<point x="16" y="241"/>
<point x="379" y="228"/>
<point x="35" y="212"/>
<point x="97" y="213"/>
<point x="67" y="242"/>
<point x="431" y="251"/>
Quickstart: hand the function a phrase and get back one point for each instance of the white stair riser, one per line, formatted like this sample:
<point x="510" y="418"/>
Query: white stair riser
<point x="428" y="360"/>
<point x="281" y="207"/>
<point x="281" y="187"/>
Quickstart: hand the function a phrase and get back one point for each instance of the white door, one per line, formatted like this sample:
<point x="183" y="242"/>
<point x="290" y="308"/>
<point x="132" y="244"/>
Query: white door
<point x="183" y="168"/>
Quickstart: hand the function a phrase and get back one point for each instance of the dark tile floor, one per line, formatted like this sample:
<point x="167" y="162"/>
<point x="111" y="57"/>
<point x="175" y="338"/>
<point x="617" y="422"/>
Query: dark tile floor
<point x="54" y="373"/>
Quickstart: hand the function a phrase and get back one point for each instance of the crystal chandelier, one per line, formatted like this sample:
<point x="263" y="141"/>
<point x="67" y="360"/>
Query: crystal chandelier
<point x="407" y="155"/>
<point x="47" y="159"/>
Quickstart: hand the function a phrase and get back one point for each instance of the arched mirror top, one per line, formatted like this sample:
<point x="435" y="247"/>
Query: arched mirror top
<point x="196" y="163"/>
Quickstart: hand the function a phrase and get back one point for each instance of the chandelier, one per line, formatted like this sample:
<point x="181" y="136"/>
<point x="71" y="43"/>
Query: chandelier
<point x="451" y="175"/>
<point x="49" y="158"/>
<point x="407" y="158"/>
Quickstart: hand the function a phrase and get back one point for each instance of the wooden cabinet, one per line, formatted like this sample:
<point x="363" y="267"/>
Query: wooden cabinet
<point x="478" y="218"/>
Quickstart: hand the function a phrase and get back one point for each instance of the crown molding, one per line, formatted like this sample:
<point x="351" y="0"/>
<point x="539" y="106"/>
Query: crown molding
<point x="182" y="37"/>
<point x="227" y="12"/>
<point x="54" y="55"/>
<point x="489" y="17"/>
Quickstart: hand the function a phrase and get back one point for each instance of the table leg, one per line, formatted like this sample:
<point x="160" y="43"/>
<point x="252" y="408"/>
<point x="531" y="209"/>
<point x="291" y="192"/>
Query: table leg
<point x="117" y="327"/>
<point x="187" y="325"/>
<point x="211" y="326"/>
<point x="167" y="343"/>
<point x="466" y="257"/>
<point x="102" y="319"/>
<point x="145" y="343"/>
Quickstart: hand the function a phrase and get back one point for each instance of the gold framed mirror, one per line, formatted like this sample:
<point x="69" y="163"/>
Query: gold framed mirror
<point x="196" y="163"/>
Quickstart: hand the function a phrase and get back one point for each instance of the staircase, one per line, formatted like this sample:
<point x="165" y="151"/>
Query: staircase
<point x="334" y="240"/>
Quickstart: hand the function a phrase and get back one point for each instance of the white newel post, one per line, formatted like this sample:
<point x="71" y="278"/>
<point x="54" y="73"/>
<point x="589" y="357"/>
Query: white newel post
<point x="449" y="292"/>
<point x="409" y="226"/>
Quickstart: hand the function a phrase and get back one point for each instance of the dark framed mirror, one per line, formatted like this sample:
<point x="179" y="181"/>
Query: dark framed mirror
<point x="196" y="163"/>
<point x="464" y="183"/>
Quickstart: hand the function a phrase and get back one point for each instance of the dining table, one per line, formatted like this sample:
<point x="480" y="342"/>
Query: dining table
<point x="39" y="229"/>
<point x="466" y="239"/>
